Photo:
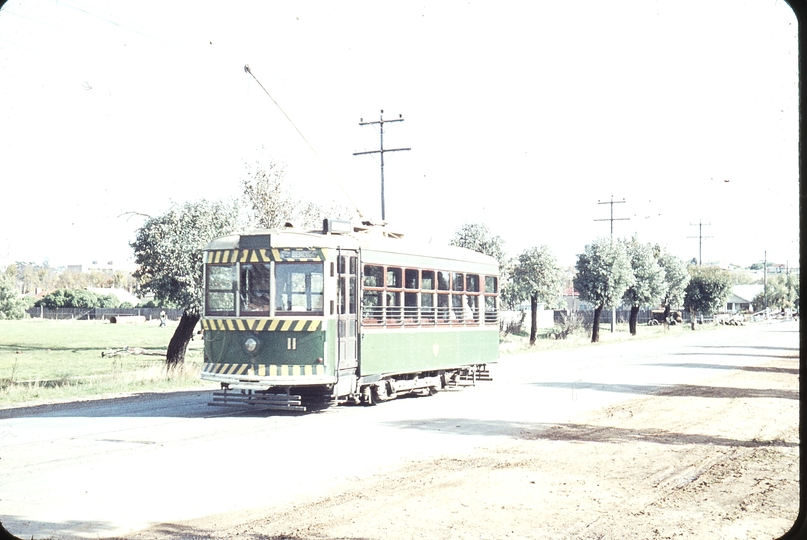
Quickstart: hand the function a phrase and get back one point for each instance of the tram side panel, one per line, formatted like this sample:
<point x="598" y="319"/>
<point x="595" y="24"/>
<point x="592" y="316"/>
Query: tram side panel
<point x="401" y="351"/>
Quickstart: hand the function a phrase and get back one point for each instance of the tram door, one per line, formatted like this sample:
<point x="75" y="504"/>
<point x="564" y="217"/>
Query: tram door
<point x="347" y="308"/>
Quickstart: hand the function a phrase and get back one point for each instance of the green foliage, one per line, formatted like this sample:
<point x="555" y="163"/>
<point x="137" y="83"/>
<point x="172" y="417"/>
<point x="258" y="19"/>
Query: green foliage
<point x="168" y="250"/>
<point x="782" y="293"/>
<point x="536" y="273"/>
<point x="676" y="278"/>
<point x="648" y="283"/>
<point x="708" y="289"/>
<point x="31" y="276"/>
<point x="477" y="237"/>
<point x="603" y="273"/>
<point x="12" y="303"/>
<point x="270" y="203"/>
<point x="77" y="298"/>
<point x="756" y="266"/>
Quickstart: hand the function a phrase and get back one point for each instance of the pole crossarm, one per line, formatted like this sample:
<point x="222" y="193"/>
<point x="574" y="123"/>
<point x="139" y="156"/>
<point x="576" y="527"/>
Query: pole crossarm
<point x="381" y="151"/>
<point x="612" y="202"/>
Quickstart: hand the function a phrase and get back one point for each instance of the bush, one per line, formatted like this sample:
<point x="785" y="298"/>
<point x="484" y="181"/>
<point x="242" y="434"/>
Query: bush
<point x="569" y="324"/>
<point x="12" y="304"/>
<point x="77" y="298"/>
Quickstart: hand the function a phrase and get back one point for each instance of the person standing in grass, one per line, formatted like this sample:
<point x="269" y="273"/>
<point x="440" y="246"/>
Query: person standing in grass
<point x="162" y="318"/>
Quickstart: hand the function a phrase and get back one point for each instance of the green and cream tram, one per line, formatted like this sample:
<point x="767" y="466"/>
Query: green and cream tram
<point x="297" y="320"/>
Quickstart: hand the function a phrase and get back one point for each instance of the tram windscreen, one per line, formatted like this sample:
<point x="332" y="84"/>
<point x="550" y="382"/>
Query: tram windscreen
<point x="299" y="288"/>
<point x="255" y="288"/>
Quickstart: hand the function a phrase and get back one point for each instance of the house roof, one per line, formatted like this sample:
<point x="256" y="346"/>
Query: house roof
<point x="121" y="294"/>
<point x="744" y="293"/>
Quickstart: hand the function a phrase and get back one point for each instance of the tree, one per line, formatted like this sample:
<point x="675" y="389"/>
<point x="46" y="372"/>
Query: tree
<point x="270" y="204"/>
<point x="648" y="279"/>
<point x="537" y="276"/>
<point x="782" y="293"/>
<point x="32" y="277"/>
<point x="477" y="237"/>
<point x="12" y="303"/>
<point x="168" y="252"/>
<point x="676" y="278"/>
<point x="708" y="289"/>
<point x="603" y="275"/>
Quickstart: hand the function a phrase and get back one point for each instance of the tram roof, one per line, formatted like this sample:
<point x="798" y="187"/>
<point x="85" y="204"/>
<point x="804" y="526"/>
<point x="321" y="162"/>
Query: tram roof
<point x="376" y="245"/>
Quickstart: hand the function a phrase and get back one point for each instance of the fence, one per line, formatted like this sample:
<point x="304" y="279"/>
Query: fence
<point x="622" y="316"/>
<point x="95" y="314"/>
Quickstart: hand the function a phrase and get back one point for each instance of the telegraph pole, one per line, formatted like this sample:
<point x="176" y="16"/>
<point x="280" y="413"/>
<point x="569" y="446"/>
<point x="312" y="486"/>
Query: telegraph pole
<point x="700" y="238"/>
<point x="381" y="151"/>
<point x="612" y="202"/>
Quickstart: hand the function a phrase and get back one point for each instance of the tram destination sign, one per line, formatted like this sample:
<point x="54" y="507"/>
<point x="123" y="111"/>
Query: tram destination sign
<point x="300" y="254"/>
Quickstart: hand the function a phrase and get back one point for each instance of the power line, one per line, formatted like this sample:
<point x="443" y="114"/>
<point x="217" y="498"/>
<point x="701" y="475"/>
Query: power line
<point x="382" y="150"/>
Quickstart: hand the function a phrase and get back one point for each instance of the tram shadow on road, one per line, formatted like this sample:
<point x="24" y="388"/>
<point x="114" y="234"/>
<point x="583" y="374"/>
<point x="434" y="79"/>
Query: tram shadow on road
<point x="177" y="404"/>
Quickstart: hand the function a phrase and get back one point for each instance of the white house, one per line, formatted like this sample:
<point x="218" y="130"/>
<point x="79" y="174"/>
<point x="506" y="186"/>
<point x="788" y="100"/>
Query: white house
<point x="742" y="298"/>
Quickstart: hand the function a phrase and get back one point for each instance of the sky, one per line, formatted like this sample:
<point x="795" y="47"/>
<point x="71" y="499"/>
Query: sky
<point x="526" y="117"/>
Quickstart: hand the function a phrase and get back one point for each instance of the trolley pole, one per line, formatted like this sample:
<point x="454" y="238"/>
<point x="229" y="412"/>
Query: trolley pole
<point x="381" y="151"/>
<point x="612" y="202"/>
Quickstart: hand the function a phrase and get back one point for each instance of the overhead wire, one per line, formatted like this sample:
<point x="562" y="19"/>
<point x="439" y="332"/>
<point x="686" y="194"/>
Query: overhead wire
<point x="333" y="176"/>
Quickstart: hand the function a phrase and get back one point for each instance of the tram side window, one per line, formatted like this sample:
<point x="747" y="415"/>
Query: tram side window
<point x="491" y="307"/>
<point x="394" y="278"/>
<point x="372" y="306"/>
<point x="443" y="281"/>
<point x="220" y="287"/>
<point x="373" y="276"/>
<point x="472" y="297"/>
<point x="443" y="308"/>
<point x="427" y="282"/>
<point x="427" y="285"/>
<point x="255" y="288"/>
<point x="299" y="288"/>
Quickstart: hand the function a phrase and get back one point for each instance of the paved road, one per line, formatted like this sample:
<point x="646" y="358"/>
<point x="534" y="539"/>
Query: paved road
<point x="110" y="467"/>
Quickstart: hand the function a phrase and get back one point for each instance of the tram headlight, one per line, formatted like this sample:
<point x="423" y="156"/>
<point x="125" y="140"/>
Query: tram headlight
<point x="250" y="345"/>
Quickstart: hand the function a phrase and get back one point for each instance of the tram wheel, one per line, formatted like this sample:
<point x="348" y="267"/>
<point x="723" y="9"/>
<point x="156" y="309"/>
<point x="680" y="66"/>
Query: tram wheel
<point x="380" y="392"/>
<point x="368" y="396"/>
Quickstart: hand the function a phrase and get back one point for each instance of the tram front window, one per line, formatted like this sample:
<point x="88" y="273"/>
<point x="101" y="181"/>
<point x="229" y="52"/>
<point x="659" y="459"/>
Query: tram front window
<point x="255" y="288"/>
<point x="220" y="289"/>
<point x="299" y="288"/>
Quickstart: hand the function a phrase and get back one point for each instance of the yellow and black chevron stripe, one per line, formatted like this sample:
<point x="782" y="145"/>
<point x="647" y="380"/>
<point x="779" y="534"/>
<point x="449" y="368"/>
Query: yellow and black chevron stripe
<point x="264" y="370"/>
<point x="261" y="325"/>
<point x="264" y="255"/>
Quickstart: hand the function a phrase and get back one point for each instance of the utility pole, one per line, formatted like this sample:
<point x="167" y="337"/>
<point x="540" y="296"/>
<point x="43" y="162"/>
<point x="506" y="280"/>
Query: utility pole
<point x="612" y="202"/>
<point x="381" y="151"/>
<point x="700" y="238"/>
<point x="765" y="282"/>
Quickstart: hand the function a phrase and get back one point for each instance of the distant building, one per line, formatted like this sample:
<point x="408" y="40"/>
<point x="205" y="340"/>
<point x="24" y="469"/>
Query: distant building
<point x="121" y="294"/>
<point x="107" y="267"/>
<point x="742" y="297"/>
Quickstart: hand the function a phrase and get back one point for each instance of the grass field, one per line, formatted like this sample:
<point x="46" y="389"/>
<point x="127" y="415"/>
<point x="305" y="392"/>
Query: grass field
<point x="44" y="360"/>
<point x="47" y="360"/>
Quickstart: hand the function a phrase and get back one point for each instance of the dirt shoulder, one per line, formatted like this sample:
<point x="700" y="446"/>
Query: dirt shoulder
<point x="717" y="460"/>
